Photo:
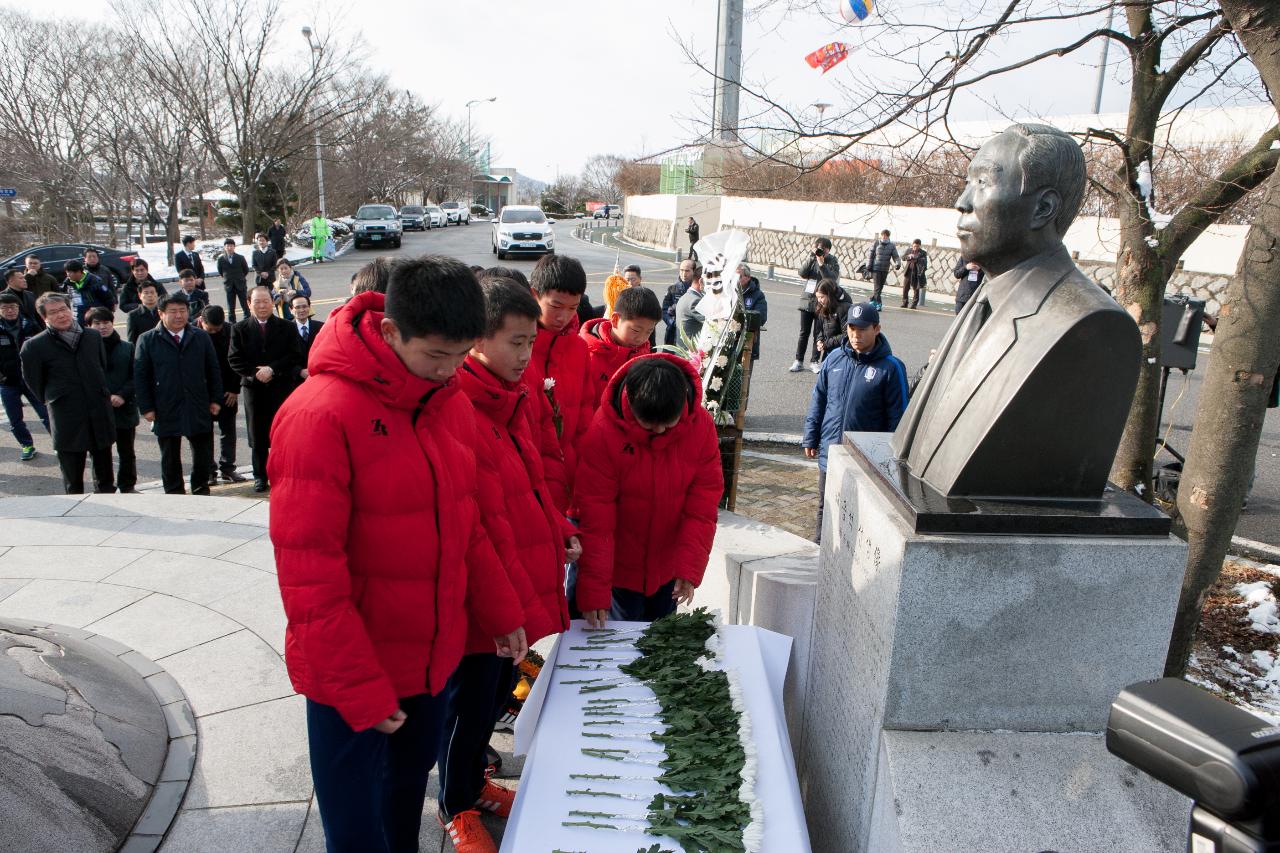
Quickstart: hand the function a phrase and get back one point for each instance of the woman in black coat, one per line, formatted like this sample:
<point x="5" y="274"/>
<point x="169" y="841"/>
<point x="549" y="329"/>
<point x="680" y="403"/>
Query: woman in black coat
<point x="65" y="367"/>
<point x="832" y="306"/>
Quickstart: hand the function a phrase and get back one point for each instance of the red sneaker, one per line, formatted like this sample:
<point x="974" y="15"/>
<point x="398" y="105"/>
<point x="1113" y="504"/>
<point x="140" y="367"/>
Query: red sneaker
<point x="496" y="799"/>
<point x="468" y="834"/>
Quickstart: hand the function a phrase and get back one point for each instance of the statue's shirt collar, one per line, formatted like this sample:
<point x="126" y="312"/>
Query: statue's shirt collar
<point x="1021" y="290"/>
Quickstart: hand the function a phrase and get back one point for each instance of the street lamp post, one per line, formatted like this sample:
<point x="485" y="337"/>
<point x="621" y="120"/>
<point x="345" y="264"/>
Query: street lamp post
<point x="471" y="154"/>
<point x="316" y="51"/>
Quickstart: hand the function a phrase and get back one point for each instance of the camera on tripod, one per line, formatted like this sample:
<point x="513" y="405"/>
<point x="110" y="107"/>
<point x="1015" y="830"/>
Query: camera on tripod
<point x="1223" y="758"/>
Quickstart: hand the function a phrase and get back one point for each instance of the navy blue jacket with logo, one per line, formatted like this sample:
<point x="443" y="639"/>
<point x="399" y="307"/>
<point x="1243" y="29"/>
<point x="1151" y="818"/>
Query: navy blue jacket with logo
<point x="855" y="392"/>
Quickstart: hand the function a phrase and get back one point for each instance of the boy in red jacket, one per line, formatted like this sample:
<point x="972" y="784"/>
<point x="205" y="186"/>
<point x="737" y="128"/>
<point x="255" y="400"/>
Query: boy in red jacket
<point x="530" y="534"/>
<point x="379" y="548"/>
<point x="648" y="498"/>
<point x="613" y="342"/>
<point x="558" y="283"/>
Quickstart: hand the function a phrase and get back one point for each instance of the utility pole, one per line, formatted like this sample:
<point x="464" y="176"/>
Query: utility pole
<point x="317" y="51"/>
<point x="1102" y="61"/>
<point x="728" y="71"/>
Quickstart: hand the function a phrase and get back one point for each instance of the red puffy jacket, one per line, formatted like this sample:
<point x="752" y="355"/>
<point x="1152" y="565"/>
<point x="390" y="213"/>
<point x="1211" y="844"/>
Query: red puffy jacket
<point x="527" y="529"/>
<point x="647" y="502"/>
<point x="562" y="356"/>
<point x="605" y="356"/>
<point x="374" y="520"/>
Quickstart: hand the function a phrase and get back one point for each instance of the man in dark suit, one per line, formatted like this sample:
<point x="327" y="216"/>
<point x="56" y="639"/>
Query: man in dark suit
<point x="16" y="283"/>
<point x="179" y="391"/>
<point x="275" y="236"/>
<point x="1029" y="390"/>
<point x="264" y="262"/>
<point x="265" y="353"/>
<point x="234" y="270"/>
<point x="214" y="323"/>
<point x="189" y="259"/>
<point x="65" y="368"/>
<point x="93" y="264"/>
<point x="307" y="330"/>
<point x="146" y="316"/>
<point x="130" y="297"/>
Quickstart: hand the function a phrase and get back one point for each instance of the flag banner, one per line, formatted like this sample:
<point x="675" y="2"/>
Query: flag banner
<point x="828" y="56"/>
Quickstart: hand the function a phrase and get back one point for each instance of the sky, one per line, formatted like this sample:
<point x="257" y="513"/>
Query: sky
<point x="574" y="78"/>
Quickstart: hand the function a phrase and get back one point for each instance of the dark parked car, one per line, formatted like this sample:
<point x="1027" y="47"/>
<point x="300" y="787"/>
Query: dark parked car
<point x="414" y="217"/>
<point x="55" y="257"/>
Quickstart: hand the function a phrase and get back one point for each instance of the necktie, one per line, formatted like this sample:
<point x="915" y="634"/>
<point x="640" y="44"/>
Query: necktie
<point x="177" y="339"/>
<point x="304" y="331"/>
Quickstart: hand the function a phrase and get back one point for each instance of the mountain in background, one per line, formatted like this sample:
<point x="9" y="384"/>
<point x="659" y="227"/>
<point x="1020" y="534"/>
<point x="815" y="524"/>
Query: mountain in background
<point x="528" y="190"/>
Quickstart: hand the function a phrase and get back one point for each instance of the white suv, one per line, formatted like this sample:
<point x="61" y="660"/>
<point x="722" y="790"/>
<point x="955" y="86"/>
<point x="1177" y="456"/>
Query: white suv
<point x="458" y="214"/>
<point x="522" y="228"/>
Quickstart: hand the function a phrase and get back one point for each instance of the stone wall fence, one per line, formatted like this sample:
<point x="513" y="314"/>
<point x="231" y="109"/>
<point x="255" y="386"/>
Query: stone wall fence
<point x="787" y="250"/>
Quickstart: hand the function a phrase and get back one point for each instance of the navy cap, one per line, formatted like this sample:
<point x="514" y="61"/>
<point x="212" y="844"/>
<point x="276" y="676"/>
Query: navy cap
<point x="864" y="314"/>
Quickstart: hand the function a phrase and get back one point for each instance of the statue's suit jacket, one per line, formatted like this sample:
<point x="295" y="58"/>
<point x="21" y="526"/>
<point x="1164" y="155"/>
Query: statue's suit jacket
<point x="1036" y="406"/>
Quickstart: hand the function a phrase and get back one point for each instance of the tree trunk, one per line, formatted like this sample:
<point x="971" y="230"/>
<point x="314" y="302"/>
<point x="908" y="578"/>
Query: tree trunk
<point x="171" y="229"/>
<point x="1233" y="404"/>
<point x="1140" y="284"/>
<point x="248" y="212"/>
<point x="1242" y="368"/>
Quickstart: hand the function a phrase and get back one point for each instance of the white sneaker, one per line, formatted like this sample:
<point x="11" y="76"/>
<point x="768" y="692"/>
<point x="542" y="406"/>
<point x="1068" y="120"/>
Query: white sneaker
<point x="796" y="366"/>
<point x="815" y="366"/>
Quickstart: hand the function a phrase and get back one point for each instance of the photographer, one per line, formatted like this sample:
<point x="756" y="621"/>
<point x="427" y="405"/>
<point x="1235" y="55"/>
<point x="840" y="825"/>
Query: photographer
<point x="819" y="265"/>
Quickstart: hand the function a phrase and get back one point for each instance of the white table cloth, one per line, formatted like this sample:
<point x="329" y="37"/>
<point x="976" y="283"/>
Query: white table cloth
<point x="549" y="730"/>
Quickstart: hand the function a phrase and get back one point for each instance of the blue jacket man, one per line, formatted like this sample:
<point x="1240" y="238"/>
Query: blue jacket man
<point x="86" y="290"/>
<point x="862" y="387"/>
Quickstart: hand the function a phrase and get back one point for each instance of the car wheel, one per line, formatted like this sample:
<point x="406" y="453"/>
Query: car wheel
<point x="495" y="248"/>
<point x="502" y="256"/>
<point x="398" y="244"/>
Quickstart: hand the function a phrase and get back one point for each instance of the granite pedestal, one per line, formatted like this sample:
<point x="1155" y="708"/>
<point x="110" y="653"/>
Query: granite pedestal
<point x="946" y="667"/>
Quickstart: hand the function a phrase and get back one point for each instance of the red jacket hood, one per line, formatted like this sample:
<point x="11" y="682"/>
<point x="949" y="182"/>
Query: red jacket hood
<point x="354" y="349"/>
<point x="598" y="335"/>
<point x="616" y="409"/>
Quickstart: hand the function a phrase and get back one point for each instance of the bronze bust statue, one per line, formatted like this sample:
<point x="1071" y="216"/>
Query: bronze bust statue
<point x="1029" y="390"/>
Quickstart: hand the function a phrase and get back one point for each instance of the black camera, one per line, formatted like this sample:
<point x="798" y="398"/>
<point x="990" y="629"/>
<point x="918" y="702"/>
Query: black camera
<point x="1223" y="758"/>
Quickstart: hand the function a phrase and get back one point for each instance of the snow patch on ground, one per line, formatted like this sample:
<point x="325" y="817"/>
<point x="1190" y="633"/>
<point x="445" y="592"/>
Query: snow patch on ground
<point x="1237" y="653"/>
<point x="155" y="254"/>
<point x="1261" y="601"/>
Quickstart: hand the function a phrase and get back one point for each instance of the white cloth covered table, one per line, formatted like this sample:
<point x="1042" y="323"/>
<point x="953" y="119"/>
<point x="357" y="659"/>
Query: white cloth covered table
<point x="549" y="730"/>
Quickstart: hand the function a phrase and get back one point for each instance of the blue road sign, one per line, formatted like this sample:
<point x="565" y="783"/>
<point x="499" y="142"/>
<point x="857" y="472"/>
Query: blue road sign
<point x="8" y="192"/>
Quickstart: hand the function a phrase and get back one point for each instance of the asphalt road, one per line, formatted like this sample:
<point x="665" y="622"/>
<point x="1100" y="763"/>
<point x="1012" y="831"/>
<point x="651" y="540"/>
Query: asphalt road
<point x="779" y="399"/>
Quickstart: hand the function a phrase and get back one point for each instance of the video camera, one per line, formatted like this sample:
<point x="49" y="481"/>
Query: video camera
<point x="1223" y="758"/>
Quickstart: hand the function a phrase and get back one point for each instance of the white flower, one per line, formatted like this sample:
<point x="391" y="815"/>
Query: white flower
<point x="716" y="383"/>
<point x="548" y="384"/>
<point x="722" y="361"/>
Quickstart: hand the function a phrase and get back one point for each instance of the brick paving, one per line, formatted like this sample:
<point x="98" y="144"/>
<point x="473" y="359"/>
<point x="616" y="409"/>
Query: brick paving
<point x="784" y="494"/>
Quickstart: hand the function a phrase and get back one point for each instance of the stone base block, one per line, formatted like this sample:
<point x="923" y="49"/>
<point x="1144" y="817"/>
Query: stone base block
<point x="949" y="633"/>
<point x="1017" y="792"/>
<point x="763" y="576"/>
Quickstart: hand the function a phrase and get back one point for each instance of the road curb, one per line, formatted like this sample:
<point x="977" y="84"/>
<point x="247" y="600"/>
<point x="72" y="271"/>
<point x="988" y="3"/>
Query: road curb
<point x="1254" y="550"/>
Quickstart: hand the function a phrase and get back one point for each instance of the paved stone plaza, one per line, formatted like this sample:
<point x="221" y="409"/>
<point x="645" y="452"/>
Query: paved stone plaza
<point x="189" y="583"/>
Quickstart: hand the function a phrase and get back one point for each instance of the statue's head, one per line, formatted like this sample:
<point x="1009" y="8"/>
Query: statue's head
<point x="1022" y="192"/>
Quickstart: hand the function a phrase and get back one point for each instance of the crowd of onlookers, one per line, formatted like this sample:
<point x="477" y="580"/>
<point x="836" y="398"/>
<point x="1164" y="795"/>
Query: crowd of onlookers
<point x="183" y="365"/>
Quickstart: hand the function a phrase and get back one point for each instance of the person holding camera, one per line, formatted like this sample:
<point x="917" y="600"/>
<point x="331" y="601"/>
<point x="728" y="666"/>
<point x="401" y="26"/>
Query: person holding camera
<point x="916" y="261"/>
<point x="819" y="265"/>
